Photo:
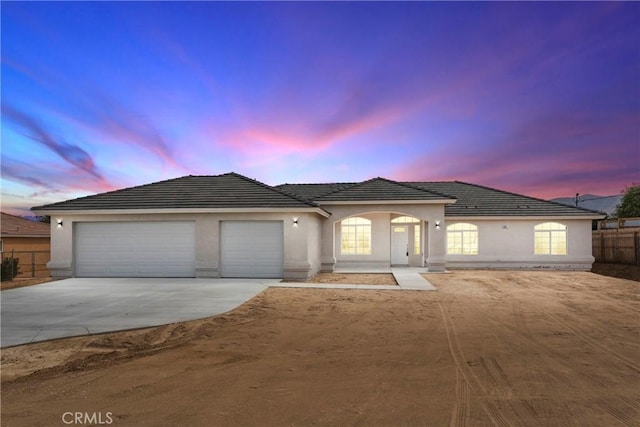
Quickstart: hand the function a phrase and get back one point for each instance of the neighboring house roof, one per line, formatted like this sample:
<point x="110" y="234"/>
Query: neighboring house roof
<point x="14" y="226"/>
<point x="381" y="189"/>
<point x="229" y="190"/>
<point x="476" y="200"/>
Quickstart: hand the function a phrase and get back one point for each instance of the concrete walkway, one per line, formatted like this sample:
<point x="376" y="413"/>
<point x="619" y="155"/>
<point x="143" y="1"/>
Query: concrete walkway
<point x="74" y="307"/>
<point x="410" y="278"/>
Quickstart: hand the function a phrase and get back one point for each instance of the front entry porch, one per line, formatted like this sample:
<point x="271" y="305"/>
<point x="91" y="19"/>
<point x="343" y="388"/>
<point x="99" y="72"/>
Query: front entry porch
<point x="378" y="241"/>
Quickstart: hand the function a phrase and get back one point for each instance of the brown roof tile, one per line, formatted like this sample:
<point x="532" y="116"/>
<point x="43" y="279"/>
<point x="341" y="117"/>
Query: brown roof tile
<point x="14" y="226"/>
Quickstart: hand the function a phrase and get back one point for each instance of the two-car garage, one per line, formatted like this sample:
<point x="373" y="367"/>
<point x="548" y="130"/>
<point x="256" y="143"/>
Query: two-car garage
<point x="168" y="249"/>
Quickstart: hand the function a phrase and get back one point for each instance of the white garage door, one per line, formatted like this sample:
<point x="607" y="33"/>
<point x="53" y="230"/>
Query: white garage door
<point x="252" y="249"/>
<point x="135" y="249"/>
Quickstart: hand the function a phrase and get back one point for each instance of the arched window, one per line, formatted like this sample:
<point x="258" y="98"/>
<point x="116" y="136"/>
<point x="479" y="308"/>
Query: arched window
<point x="550" y="239"/>
<point x="462" y="239"/>
<point x="356" y="236"/>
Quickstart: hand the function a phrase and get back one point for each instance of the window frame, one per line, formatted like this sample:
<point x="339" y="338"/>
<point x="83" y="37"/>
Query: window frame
<point x="463" y="235"/>
<point x="358" y="230"/>
<point x="549" y="234"/>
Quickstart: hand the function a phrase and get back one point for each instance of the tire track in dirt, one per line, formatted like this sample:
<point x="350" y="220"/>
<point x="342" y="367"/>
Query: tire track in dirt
<point x="582" y="336"/>
<point x="460" y="415"/>
<point x="502" y="389"/>
<point x="626" y="416"/>
<point x="575" y="330"/>
<point x="614" y="406"/>
<point x="462" y="399"/>
<point x="571" y="327"/>
<point x="621" y="409"/>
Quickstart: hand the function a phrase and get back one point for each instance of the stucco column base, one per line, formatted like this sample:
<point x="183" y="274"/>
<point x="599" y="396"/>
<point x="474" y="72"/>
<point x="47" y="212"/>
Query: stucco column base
<point x="328" y="264"/>
<point x="296" y="271"/>
<point x="61" y="269"/>
<point x="436" y="264"/>
<point x="207" y="272"/>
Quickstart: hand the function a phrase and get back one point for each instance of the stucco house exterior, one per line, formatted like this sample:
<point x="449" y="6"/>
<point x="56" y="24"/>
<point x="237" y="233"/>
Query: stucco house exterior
<point x="232" y="226"/>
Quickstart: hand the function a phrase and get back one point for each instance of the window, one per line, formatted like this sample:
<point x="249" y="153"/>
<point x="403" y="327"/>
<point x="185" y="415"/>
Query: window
<point x="550" y="239"/>
<point x="462" y="239"/>
<point x="416" y="239"/>
<point x="356" y="236"/>
<point x="404" y="220"/>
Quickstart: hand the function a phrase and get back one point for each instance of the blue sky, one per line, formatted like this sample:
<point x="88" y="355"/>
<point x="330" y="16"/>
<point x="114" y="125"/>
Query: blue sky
<point x="537" y="98"/>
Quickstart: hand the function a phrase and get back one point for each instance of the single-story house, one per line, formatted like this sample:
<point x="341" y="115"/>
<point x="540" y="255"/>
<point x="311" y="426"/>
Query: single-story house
<point x="28" y="241"/>
<point x="233" y="226"/>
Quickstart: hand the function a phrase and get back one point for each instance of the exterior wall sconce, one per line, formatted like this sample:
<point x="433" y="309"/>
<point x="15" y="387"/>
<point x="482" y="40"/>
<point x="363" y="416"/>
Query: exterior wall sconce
<point x="295" y="222"/>
<point x="437" y="225"/>
<point x="59" y="221"/>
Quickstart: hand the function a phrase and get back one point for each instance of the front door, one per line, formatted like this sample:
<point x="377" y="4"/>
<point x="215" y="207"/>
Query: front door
<point x="399" y="245"/>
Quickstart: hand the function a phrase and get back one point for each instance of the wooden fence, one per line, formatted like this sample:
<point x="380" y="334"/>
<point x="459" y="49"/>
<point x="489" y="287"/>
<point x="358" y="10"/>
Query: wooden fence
<point x="617" y="246"/>
<point x="31" y="263"/>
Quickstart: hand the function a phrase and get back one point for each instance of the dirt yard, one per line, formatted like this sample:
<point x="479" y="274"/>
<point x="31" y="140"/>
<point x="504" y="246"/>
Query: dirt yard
<point x="355" y="279"/>
<point x="488" y="348"/>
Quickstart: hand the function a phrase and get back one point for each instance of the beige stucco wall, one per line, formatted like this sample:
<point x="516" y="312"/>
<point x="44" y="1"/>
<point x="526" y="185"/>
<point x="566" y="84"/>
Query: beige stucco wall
<point x="509" y="243"/>
<point x="314" y="244"/>
<point x="301" y="243"/>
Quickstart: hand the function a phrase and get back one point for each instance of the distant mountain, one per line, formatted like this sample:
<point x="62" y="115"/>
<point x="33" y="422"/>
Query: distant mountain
<point x="606" y="204"/>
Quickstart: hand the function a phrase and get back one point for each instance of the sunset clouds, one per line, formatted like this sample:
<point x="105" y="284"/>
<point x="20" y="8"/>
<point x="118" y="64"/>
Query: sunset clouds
<point x="539" y="98"/>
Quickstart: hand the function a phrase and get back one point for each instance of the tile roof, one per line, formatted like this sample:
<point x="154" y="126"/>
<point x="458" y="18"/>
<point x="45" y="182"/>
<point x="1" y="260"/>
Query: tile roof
<point x="229" y="190"/>
<point x="14" y="226"/>
<point x="232" y="190"/>
<point x="472" y="199"/>
<point x="477" y="200"/>
<point x="380" y="189"/>
<point x="314" y="191"/>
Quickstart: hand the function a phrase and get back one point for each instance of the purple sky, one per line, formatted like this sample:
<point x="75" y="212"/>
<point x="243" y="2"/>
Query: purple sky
<point x="536" y="98"/>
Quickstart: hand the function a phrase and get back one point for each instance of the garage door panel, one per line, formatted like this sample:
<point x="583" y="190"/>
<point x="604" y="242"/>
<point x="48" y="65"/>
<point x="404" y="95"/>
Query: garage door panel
<point x="135" y="249"/>
<point x="252" y="249"/>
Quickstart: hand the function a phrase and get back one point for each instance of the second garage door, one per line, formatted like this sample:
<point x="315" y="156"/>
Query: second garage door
<point x="252" y="249"/>
<point x="135" y="249"/>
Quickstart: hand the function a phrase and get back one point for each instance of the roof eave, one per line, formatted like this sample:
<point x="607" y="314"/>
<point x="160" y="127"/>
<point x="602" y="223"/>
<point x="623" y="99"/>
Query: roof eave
<point x="387" y="202"/>
<point x="521" y="217"/>
<point x="60" y="212"/>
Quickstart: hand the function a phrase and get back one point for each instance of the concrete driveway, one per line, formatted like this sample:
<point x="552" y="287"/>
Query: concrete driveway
<point x="73" y="307"/>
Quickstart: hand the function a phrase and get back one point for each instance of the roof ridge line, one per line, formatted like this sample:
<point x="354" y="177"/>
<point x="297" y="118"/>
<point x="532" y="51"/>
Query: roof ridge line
<point x="274" y="189"/>
<point x="389" y="181"/>
<point x="317" y="183"/>
<point x="413" y="187"/>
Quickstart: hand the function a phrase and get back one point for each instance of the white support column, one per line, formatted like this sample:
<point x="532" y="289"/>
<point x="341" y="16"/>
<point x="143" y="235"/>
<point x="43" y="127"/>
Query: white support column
<point x="328" y="257"/>
<point x="437" y="260"/>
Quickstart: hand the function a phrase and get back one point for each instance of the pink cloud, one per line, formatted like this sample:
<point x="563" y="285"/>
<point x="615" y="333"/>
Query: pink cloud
<point x="546" y="158"/>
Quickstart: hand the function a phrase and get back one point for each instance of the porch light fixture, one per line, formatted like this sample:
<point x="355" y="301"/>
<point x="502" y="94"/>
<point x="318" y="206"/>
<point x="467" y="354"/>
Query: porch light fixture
<point x="295" y="222"/>
<point x="59" y="221"/>
<point x="437" y="225"/>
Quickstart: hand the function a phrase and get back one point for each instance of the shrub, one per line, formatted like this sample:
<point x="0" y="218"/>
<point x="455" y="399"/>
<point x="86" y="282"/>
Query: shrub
<point x="10" y="268"/>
